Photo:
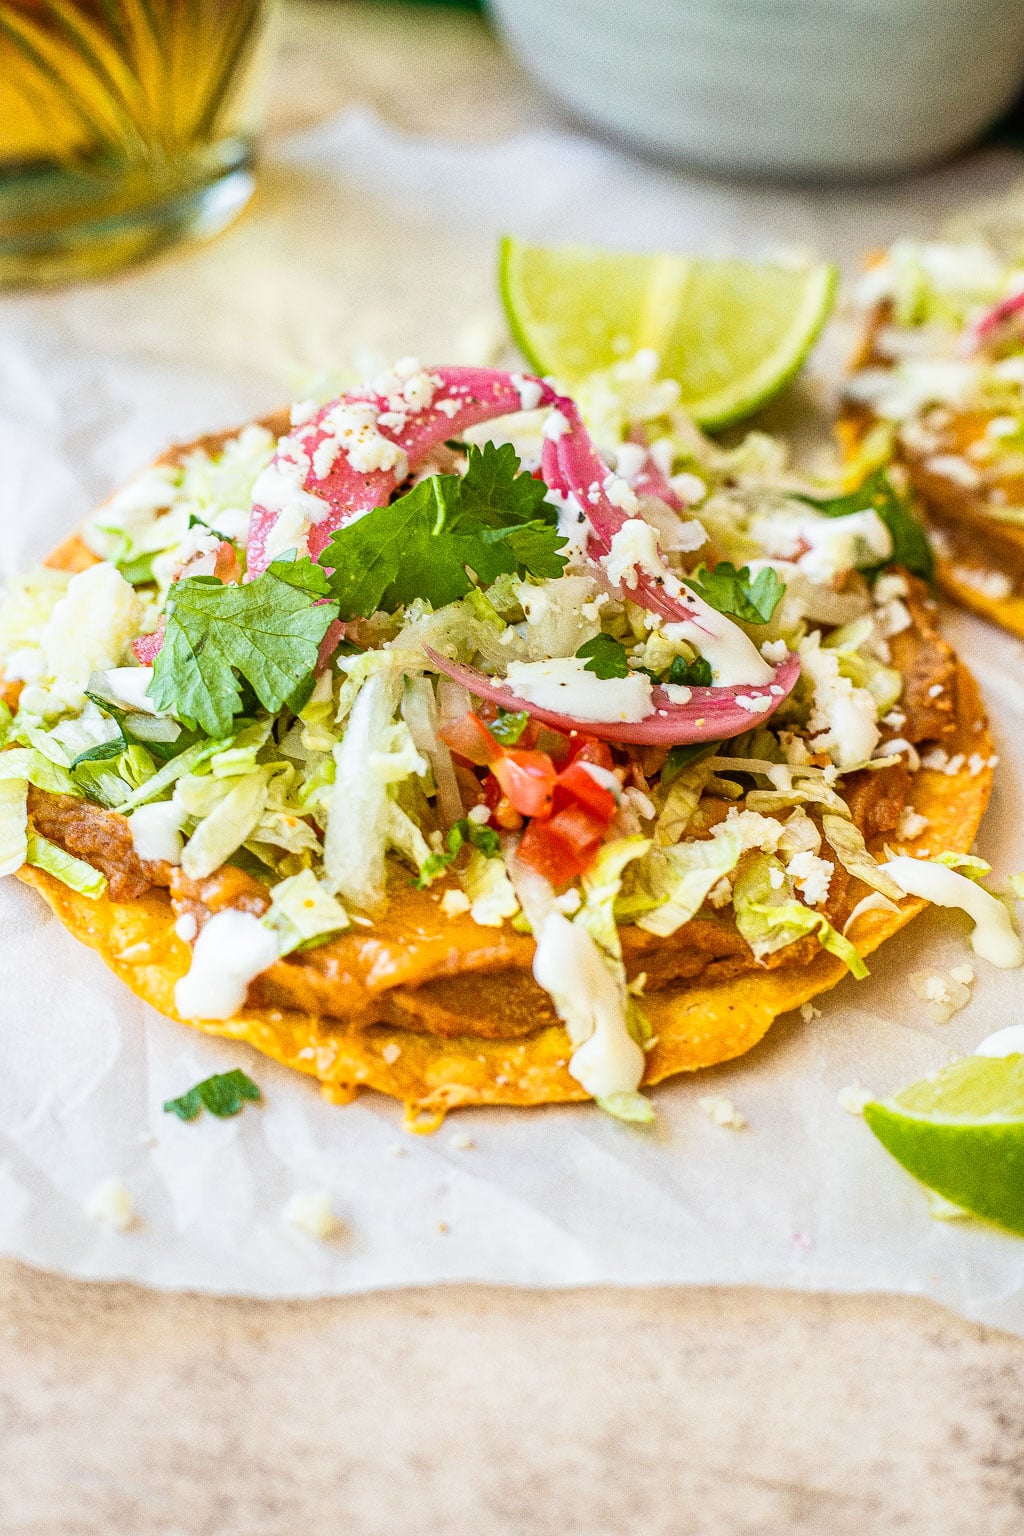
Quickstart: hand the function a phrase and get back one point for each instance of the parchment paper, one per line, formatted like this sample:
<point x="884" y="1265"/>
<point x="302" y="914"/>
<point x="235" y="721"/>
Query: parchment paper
<point x="363" y="246"/>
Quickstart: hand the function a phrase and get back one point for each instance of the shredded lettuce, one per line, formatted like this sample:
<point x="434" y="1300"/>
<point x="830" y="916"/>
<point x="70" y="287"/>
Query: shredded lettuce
<point x="301" y="911"/>
<point x="140" y="527"/>
<point x="286" y="833"/>
<point x="404" y="836"/>
<point x="152" y="788"/>
<point x="677" y="880"/>
<point x="81" y="877"/>
<point x="679" y="804"/>
<point x="602" y="885"/>
<point x="885" y="684"/>
<point x="846" y="841"/>
<point x="965" y="864"/>
<point x="397" y="661"/>
<point x="770" y="917"/>
<point x="807" y="790"/>
<point x="27" y="763"/>
<point x="613" y="399"/>
<point x="241" y="756"/>
<point x="485" y="881"/>
<point x="13" y="824"/>
<point x="359" y="811"/>
<point x="227" y="826"/>
<point x="634" y="1108"/>
<point x="937" y="282"/>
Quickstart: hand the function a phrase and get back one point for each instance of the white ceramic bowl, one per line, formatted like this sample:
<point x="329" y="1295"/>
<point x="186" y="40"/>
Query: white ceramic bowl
<point x="792" y="88"/>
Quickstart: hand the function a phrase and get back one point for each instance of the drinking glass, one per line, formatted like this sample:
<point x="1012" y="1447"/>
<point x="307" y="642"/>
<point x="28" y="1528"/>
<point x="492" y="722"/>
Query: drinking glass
<point x="124" y="125"/>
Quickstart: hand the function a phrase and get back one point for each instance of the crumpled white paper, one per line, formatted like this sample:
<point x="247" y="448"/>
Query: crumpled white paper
<point x="363" y="245"/>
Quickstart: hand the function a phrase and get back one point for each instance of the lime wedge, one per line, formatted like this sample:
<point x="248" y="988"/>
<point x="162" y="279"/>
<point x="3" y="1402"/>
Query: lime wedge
<point x="961" y="1132"/>
<point x="732" y="332"/>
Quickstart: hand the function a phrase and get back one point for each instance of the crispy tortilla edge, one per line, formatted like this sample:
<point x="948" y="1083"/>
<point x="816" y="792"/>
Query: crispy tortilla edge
<point x="1007" y="613"/>
<point x="694" y="1026"/>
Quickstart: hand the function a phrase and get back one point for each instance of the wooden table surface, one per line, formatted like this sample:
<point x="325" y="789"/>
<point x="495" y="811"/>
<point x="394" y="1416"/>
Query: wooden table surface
<point x="475" y="1411"/>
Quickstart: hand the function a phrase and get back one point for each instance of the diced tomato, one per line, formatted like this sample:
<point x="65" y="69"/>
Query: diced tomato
<point x="588" y="749"/>
<point x="564" y="846"/>
<point x="147" y="647"/>
<point x="576" y="783"/>
<point x="526" y="782"/>
<point x="226" y="567"/>
<point x="528" y="779"/>
<point x="471" y="739"/>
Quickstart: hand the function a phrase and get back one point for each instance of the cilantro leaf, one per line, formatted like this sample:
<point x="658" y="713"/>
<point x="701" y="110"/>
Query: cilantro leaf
<point x="126" y="720"/>
<point x="396" y="553"/>
<point x="682" y="756"/>
<point x="693" y="674"/>
<point x="496" y="494"/>
<point x="223" y="1095"/>
<point x="491" y="521"/>
<point x="604" y="656"/>
<point x="751" y="598"/>
<point x="303" y="575"/>
<point x="137" y="572"/>
<point x="104" y="752"/>
<point x="200" y="522"/>
<point x="267" y="631"/>
<point x="463" y="832"/>
<point x="509" y="726"/>
<point x="533" y="546"/>
<point x="910" y="547"/>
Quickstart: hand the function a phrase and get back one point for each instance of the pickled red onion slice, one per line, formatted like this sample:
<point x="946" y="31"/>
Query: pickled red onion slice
<point x="712" y="714"/>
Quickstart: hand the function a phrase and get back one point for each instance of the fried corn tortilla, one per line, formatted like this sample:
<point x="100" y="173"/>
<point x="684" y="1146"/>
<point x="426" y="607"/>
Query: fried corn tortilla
<point x="439" y="1012"/>
<point x="973" y="509"/>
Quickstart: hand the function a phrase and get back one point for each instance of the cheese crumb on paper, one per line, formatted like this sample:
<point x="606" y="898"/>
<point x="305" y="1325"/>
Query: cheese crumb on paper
<point x="723" y="1111"/>
<point x="853" y="1098"/>
<point x="111" y="1204"/>
<point x="311" y="1212"/>
<point x="944" y="994"/>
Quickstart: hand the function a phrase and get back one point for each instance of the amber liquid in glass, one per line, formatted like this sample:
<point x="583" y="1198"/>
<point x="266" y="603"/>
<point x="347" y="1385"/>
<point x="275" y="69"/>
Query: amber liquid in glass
<point x="124" y="124"/>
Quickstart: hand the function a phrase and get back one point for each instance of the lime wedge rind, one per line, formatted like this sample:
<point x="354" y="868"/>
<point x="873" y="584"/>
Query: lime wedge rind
<point x="733" y="333"/>
<point x="952" y="1134"/>
<point x="730" y="407"/>
<point x="506" y="250"/>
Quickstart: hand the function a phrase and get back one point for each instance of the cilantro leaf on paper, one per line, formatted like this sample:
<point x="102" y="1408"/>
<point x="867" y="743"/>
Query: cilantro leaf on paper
<point x="751" y="598"/>
<point x="267" y="631"/>
<point x="877" y="493"/>
<point x="604" y="656"/>
<point x="223" y="1095"/>
<point x="463" y="832"/>
<point x="492" y="521"/>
